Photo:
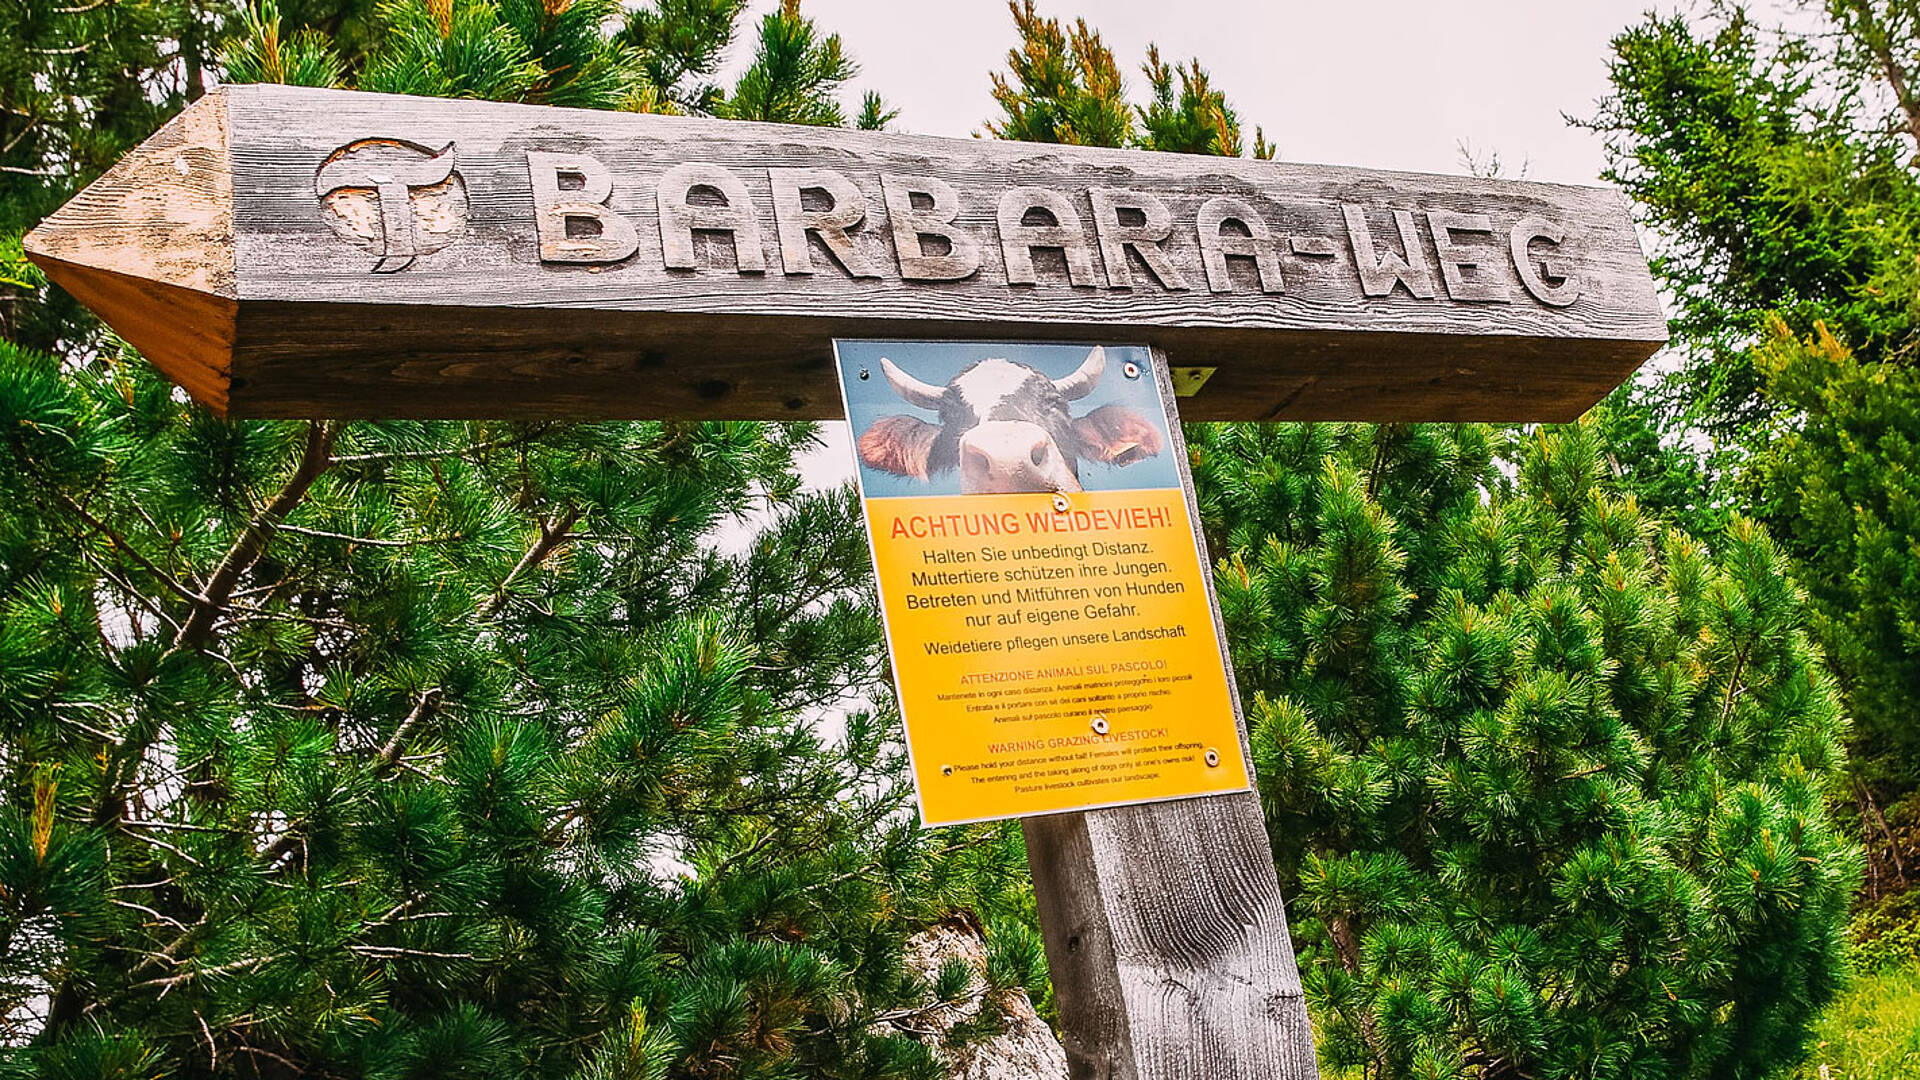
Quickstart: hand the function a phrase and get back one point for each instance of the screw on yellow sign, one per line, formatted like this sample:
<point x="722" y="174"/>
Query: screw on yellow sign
<point x="1047" y="612"/>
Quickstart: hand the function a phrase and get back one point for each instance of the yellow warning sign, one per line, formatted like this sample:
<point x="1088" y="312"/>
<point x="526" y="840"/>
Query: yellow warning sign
<point x="1054" y="649"/>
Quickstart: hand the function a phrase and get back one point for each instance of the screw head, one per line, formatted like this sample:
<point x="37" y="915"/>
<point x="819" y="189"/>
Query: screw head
<point x="946" y="770"/>
<point x="1099" y="723"/>
<point x="1213" y="758"/>
<point x="1132" y="370"/>
<point x="1061" y="504"/>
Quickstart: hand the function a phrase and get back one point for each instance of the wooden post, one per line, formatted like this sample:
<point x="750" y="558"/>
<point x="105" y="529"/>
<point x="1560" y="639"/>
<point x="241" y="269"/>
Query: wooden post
<point x="1164" y="927"/>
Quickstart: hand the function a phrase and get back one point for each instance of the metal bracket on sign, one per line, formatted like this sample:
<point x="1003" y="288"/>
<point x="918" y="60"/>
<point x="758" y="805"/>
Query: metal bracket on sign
<point x="1187" y="381"/>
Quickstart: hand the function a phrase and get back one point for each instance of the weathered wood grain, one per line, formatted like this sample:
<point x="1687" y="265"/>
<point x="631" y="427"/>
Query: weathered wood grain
<point x="570" y="251"/>
<point x="1164" y="928"/>
<point x="152" y="243"/>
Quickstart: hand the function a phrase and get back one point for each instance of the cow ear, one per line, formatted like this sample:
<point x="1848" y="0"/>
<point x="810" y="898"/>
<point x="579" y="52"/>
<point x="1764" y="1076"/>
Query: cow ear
<point x="900" y="445"/>
<point x="1118" y="435"/>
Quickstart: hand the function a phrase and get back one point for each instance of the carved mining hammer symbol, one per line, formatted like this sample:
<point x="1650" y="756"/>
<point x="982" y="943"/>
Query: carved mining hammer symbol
<point x="393" y="169"/>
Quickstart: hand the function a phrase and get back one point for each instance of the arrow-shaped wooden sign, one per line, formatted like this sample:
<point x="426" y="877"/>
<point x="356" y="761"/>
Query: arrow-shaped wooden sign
<point x="287" y="252"/>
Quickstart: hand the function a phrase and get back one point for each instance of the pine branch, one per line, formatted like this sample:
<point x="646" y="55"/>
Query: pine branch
<point x="159" y="843"/>
<point x="255" y="613"/>
<point x="1865" y="798"/>
<point x="905" y="1018"/>
<point x="252" y="541"/>
<point x="213" y="1051"/>
<point x="170" y="953"/>
<point x="368" y="541"/>
<point x="166" y="984"/>
<point x="289" y="838"/>
<point x="1733" y="686"/>
<point x="551" y="536"/>
<point x="138" y="597"/>
<point x="743" y="854"/>
<point x="294" y="1067"/>
<point x="122" y="764"/>
<point x="877" y="864"/>
<point x="218" y="830"/>
<point x="1347" y="947"/>
<point x="122" y="545"/>
<point x="517" y="439"/>
<point x="145" y="910"/>
<point x="390" y="753"/>
<point x="395" y="950"/>
<point x="1878" y="42"/>
<point x="23" y="133"/>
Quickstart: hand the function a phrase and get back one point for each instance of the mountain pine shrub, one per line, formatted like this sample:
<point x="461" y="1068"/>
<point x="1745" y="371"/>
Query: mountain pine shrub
<point x="1546" y="780"/>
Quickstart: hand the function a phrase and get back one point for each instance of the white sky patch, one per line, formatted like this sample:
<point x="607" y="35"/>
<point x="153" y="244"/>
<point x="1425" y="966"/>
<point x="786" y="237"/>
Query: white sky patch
<point x="822" y="468"/>
<point x="1391" y="84"/>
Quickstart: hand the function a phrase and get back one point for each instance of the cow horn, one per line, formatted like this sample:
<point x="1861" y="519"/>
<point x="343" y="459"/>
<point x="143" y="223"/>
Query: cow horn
<point x="913" y="390"/>
<point x="1085" y="378"/>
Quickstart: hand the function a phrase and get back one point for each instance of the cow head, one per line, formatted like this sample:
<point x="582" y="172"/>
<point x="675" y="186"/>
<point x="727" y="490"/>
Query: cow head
<point x="1007" y="428"/>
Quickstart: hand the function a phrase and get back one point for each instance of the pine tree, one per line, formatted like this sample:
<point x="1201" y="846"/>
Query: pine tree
<point x="1063" y="85"/>
<point x="1769" y="194"/>
<point x="1547" y="779"/>
<point x="1842" y="486"/>
<point x="794" y="75"/>
<point x="1196" y="119"/>
<point x="391" y="747"/>
<point x="681" y="44"/>
<point x="448" y="749"/>
<point x="1777" y="171"/>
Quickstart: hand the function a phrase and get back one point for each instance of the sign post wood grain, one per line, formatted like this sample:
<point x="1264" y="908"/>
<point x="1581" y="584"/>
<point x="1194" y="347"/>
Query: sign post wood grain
<point x="291" y="252"/>
<point x="283" y="251"/>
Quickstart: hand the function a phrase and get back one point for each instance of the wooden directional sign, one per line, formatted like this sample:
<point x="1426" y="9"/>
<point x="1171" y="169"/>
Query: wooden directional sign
<point x="293" y="252"/>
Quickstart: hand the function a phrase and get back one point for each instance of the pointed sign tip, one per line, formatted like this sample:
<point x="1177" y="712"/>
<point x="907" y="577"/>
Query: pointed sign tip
<point x="186" y="333"/>
<point x="149" y="248"/>
<point x="164" y="212"/>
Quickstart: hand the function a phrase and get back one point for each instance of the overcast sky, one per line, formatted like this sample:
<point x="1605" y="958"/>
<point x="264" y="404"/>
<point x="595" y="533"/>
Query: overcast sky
<point x="1394" y="84"/>
<point x="1384" y="83"/>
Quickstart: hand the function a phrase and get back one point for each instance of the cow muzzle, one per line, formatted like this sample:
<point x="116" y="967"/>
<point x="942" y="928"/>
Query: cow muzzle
<point x="1010" y="456"/>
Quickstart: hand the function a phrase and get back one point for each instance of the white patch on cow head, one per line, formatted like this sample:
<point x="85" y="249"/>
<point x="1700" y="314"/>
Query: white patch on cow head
<point x="990" y="382"/>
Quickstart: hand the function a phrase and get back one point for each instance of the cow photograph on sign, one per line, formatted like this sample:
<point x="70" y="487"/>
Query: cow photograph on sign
<point x="1033" y="540"/>
<point x="1005" y="423"/>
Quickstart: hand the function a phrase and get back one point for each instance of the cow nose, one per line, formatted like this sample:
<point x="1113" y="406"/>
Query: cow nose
<point x="982" y="458"/>
<point x="1012" y="455"/>
<point x="976" y="459"/>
